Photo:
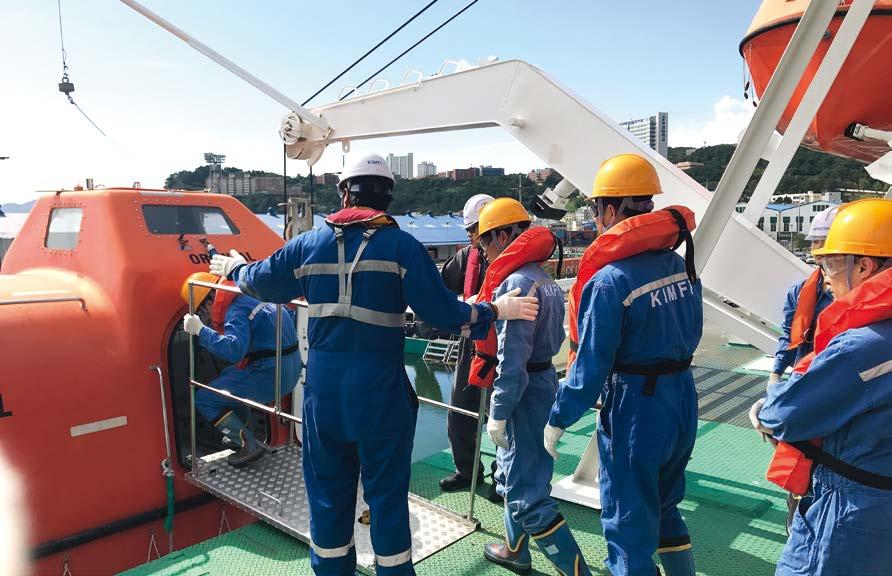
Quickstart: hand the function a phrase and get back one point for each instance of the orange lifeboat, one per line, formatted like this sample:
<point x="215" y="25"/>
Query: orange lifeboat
<point x="862" y="90"/>
<point x="89" y="302"/>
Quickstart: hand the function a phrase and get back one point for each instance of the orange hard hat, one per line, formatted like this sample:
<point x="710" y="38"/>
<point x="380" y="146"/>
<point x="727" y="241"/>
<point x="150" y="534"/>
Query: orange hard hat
<point x="199" y="292"/>
<point x="626" y="175"/>
<point x="501" y="212"/>
<point x="861" y="228"/>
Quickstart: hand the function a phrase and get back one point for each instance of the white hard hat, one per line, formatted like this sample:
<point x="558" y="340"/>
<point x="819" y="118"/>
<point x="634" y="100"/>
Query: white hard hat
<point x="820" y="226"/>
<point x="368" y="165"/>
<point x="471" y="211"/>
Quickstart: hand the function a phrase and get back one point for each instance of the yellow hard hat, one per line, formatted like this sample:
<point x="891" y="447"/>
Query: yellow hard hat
<point x="862" y="228"/>
<point x="626" y="175"/>
<point x="199" y="292"/>
<point x="501" y="212"/>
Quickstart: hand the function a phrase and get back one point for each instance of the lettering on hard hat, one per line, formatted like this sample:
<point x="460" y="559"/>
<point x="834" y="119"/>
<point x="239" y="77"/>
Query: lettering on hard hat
<point x="378" y="162"/>
<point x="4" y="413"/>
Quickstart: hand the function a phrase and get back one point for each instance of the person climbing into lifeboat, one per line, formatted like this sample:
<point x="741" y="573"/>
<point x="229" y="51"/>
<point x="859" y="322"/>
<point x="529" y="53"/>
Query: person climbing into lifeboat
<point x="833" y="417"/>
<point x="242" y="330"/>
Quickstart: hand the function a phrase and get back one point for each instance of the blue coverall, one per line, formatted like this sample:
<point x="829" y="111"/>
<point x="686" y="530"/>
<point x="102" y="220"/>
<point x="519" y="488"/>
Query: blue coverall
<point x="845" y="397"/>
<point x="524" y="399"/>
<point x="785" y="358"/>
<point x="248" y="327"/>
<point x="641" y="310"/>
<point x="359" y="406"/>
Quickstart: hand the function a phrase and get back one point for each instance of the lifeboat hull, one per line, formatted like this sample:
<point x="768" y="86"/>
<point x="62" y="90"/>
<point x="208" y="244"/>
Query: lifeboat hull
<point x="861" y="92"/>
<point x="82" y="420"/>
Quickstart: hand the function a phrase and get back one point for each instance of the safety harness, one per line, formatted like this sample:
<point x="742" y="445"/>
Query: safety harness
<point x="792" y="464"/>
<point x="533" y="245"/>
<point x="661" y="230"/>
<point x="372" y="220"/>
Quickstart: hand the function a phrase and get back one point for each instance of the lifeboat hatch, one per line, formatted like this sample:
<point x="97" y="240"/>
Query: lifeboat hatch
<point x="207" y="368"/>
<point x="273" y="490"/>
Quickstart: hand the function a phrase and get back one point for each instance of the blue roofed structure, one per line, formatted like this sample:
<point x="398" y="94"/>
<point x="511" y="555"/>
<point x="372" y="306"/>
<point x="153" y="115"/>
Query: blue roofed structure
<point x="442" y="235"/>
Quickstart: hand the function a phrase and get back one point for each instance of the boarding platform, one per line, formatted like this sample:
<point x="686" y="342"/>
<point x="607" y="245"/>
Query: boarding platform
<point x="272" y="489"/>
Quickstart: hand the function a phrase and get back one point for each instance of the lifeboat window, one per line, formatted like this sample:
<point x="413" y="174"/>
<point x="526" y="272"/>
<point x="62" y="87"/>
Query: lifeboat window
<point x="168" y="219"/>
<point x="64" y="228"/>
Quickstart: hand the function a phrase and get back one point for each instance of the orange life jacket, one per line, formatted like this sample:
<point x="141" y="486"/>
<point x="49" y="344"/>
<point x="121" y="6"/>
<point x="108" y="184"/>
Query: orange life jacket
<point x="534" y="245"/>
<point x="222" y="301"/>
<point x="801" y="330"/>
<point x="659" y="230"/>
<point x="869" y="303"/>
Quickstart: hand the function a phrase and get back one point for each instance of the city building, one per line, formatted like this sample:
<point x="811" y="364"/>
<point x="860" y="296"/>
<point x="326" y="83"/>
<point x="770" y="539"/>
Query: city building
<point x="687" y="164"/>
<point x="653" y="131"/>
<point x="490" y="171"/>
<point x="464" y="173"/>
<point x="783" y="221"/>
<point x="327" y="179"/>
<point x="426" y="169"/>
<point x="238" y="183"/>
<point x="401" y="166"/>
<point x="801" y="198"/>
<point x="539" y="175"/>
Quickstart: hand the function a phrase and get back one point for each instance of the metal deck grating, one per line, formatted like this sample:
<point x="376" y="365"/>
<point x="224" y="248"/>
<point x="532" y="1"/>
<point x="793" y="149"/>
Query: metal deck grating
<point x="725" y="396"/>
<point x="273" y="491"/>
<point x="736" y="519"/>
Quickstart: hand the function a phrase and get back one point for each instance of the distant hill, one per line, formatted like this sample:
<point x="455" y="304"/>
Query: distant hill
<point x="13" y="208"/>
<point x="808" y="171"/>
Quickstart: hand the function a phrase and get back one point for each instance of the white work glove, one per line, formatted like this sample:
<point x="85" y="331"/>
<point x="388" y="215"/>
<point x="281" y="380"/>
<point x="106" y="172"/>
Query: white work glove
<point x="192" y="324"/>
<point x="552" y="435"/>
<point x="757" y="424"/>
<point x="496" y="430"/>
<point x="471" y="299"/>
<point x="514" y="307"/>
<point x="224" y="265"/>
<point x="773" y="378"/>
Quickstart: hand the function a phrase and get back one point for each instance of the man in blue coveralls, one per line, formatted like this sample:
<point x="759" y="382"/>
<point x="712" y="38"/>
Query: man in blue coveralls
<point x="358" y="273"/>
<point x="244" y="333"/>
<point x="640" y="320"/>
<point x="843" y="395"/>
<point x="796" y="341"/>
<point x="523" y="393"/>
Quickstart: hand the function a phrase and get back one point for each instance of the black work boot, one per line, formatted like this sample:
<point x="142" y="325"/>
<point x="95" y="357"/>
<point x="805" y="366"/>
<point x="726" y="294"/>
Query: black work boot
<point x="457" y="481"/>
<point x="237" y="435"/>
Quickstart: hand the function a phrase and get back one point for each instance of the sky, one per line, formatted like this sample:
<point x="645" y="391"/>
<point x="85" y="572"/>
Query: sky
<point x="162" y="104"/>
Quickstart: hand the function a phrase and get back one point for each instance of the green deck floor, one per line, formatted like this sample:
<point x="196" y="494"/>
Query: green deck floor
<point x="735" y="516"/>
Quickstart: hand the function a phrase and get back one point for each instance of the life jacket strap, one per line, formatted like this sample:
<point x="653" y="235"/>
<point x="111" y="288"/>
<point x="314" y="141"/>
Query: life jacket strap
<point x="684" y="235"/>
<point x="261" y="354"/>
<point x="489" y="362"/>
<point x="844" y="469"/>
<point x="533" y="367"/>
<point x="653" y="371"/>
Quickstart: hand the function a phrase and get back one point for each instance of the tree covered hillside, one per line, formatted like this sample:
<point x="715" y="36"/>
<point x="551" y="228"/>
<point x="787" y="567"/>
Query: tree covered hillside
<point x="809" y="170"/>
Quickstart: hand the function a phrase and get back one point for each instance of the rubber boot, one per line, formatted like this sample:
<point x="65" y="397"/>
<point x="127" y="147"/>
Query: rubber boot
<point x="559" y="546"/>
<point x="236" y="434"/>
<point x="678" y="563"/>
<point x="514" y="553"/>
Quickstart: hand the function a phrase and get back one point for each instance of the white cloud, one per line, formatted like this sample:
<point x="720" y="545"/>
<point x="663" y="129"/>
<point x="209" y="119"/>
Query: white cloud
<point x="730" y="117"/>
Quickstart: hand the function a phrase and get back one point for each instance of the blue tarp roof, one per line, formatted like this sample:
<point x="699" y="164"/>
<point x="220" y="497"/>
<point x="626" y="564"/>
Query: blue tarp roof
<point x="429" y="230"/>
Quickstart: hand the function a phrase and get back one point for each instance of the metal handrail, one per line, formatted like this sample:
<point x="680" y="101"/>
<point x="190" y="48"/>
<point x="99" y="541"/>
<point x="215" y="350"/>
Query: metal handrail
<point x="47" y="300"/>
<point x="277" y="410"/>
<point x="166" y="469"/>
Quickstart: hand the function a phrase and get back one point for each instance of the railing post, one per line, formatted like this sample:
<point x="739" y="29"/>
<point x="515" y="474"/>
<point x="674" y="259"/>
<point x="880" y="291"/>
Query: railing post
<point x="278" y="358"/>
<point x="193" y="438"/>
<point x="480" y="416"/>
